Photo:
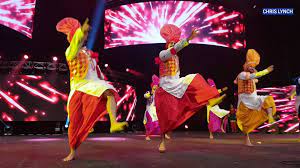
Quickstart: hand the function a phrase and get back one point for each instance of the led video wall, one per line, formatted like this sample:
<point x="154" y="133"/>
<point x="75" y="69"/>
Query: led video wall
<point x="18" y="15"/>
<point x="286" y="117"/>
<point x="140" y="23"/>
<point x="44" y="98"/>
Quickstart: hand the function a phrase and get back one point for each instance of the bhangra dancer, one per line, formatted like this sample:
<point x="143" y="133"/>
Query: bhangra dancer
<point x="253" y="110"/>
<point x="150" y="117"/>
<point x="216" y="117"/>
<point x="90" y="96"/>
<point x="177" y="99"/>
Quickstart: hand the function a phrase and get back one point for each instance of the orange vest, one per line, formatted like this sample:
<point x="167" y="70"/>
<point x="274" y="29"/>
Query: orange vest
<point x="169" y="67"/>
<point x="79" y="66"/>
<point x="246" y="86"/>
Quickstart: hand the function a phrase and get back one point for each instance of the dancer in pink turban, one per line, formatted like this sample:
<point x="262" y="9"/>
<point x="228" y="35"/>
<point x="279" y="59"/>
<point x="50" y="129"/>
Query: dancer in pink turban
<point x="178" y="98"/>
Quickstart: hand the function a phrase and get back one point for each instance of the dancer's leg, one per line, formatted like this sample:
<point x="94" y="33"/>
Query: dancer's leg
<point x="270" y="115"/>
<point x="247" y="140"/>
<point x="162" y="145"/>
<point x="111" y="107"/>
<point x="76" y="121"/>
<point x="211" y="136"/>
<point x="168" y="135"/>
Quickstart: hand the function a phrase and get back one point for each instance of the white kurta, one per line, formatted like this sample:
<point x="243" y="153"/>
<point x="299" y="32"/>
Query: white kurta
<point x="218" y="111"/>
<point x="175" y="85"/>
<point x="251" y="101"/>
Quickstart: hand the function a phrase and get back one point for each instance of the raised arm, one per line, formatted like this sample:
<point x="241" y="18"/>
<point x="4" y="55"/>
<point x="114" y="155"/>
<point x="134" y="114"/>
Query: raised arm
<point x="222" y="90"/>
<point x="166" y="54"/>
<point x="77" y="41"/>
<point x="248" y="75"/>
<point x="75" y="45"/>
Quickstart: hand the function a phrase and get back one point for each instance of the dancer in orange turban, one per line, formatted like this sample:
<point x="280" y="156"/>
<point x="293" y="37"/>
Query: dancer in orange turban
<point x="90" y="96"/>
<point x="253" y="110"/>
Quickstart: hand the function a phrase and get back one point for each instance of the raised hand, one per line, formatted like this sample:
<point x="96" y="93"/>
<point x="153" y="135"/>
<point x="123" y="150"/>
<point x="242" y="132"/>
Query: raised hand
<point x="224" y="89"/>
<point x="270" y="68"/>
<point x="194" y="33"/>
<point x="85" y="27"/>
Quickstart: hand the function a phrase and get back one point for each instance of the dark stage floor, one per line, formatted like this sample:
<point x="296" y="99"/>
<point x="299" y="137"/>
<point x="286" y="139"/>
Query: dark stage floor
<point x="188" y="150"/>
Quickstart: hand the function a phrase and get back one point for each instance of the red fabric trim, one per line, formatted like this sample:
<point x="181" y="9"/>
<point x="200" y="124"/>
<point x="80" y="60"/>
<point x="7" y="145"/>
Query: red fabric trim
<point x="157" y="60"/>
<point x="95" y="55"/>
<point x="173" y="51"/>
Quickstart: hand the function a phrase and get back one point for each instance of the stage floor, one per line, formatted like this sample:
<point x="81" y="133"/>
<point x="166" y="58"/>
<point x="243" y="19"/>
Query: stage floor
<point x="186" y="149"/>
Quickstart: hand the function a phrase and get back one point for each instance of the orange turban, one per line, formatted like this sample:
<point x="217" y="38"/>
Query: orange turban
<point x="68" y="26"/>
<point x="252" y="59"/>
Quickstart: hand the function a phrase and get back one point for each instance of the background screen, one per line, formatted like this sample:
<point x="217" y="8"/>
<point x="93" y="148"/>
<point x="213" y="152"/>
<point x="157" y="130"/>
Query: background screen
<point x="286" y="115"/>
<point x="18" y="15"/>
<point x="140" y="23"/>
<point x="44" y="98"/>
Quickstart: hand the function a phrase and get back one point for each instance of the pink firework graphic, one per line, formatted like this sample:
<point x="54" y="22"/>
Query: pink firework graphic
<point x="44" y="98"/>
<point x="287" y="117"/>
<point x="140" y="23"/>
<point x="18" y="15"/>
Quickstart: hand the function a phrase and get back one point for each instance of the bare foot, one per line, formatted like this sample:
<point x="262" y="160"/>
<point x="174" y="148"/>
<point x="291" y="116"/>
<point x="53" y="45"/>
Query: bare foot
<point x="70" y="157"/>
<point x="248" y="142"/>
<point x="211" y="136"/>
<point x="167" y="136"/>
<point x="148" y="138"/>
<point x="162" y="147"/>
<point x="118" y="126"/>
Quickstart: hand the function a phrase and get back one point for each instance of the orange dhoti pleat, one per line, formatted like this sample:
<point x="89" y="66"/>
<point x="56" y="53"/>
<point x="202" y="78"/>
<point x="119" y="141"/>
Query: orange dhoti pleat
<point x="85" y="111"/>
<point x="249" y="119"/>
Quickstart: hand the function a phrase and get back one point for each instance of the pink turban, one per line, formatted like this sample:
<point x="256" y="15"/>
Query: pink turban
<point x="155" y="80"/>
<point x="170" y="33"/>
<point x="68" y="26"/>
<point x="211" y="82"/>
